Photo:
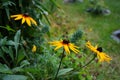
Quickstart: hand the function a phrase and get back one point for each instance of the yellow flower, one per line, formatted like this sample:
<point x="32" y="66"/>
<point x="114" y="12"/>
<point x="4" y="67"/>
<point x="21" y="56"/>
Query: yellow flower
<point x="34" y="48"/>
<point x="66" y="44"/>
<point x="98" y="51"/>
<point x="25" y="18"/>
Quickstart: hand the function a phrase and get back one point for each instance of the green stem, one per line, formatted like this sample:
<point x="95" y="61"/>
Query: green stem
<point x="59" y="65"/>
<point x="89" y="62"/>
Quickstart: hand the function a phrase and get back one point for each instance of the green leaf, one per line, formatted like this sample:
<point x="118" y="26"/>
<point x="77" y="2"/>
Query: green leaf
<point x="10" y="42"/>
<point x="17" y="69"/>
<point x="24" y="63"/>
<point x="8" y="3"/>
<point x="53" y="1"/>
<point x="17" y="36"/>
<point x="7" y="12"/>
<point x="8" y="51"/>
<point x="11" y="53"/>
<point x="5" y="49"/>
<point x="4" y="69"/>
<point x="3" y="41"/>
<point x="1" y="53"/>
<point x="20" y="55"/>
<point x="41" y="6"/>
<point x="32" y="76"/>
<point x="15" y="77"/>
<point x="43" y="12"/>
<point x="8" y="28"/>
<point x="16" y="40"/>
<point x="2" y="56"/>
<point x="64" y="71"/>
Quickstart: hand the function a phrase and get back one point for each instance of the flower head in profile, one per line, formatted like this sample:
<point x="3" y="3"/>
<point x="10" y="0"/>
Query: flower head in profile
<point x="66" y="45"/>
<point x="25" y="18"/>
<point x="98" y="51"/>
<point x="34" y="48"/>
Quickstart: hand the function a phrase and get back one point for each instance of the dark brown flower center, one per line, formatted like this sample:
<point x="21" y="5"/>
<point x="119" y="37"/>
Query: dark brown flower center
<point x="66" y="42"/>
<point x="99" y="49"/>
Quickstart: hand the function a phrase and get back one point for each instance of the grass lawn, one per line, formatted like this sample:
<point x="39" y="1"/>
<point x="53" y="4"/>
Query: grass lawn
<point x="97" y="29"/>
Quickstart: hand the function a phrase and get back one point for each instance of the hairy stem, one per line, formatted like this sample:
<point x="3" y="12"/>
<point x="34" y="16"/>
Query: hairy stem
<point x="62" y="56"/>
<point x="89" y="62"/>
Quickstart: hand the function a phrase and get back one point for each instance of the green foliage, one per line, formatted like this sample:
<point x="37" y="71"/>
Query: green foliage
<point x="76" y="36"/>
<point x="10" y="53"/>
<point x="64" y="71"/>
<point x="15" y="77"/>
<point x="18" y="62"/>
<point x="16" y="40"/>
<point x="97" y="7"/>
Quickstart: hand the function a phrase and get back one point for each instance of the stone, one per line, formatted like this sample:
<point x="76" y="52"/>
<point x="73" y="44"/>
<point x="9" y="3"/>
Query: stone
<point x="116" y="35"/>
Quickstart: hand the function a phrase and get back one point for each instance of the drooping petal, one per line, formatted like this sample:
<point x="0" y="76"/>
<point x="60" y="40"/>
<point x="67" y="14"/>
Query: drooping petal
<point x="73" y="48"/>
<point x="96" y="46"/>
<point x="23" y="20"/>
<point x="59" y="46"/>
<point x="28" y="21"/>
<point x="55" y="43"/>
<point x="66" y="49"/>
<point x="18" y="17"/>
<point x="106" y="57"/>
<point x="100" y="55"/>
<point x="92" y="48"/>
<point x="73" y="45"/>
<point x="33" y="21"/>
<point x="103" y="57"/>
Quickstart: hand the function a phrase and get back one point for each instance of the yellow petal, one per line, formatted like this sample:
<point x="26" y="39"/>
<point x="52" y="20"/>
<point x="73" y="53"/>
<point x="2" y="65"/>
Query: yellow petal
<point x="55" y="43"/>
<point x="33" y="21"/>
<point x="73" y="45"/>
<point x="23" y="20"/>
<point x="73" y="49"/>
<point x="18" y="17"/>
<point x="12" y="16"/>
<point x="66" y="49"/>
<point x="96" y="46"/>
<point x="103" y="57"/>
<point x="58" y="47"/>
<point x="28" y="21"/>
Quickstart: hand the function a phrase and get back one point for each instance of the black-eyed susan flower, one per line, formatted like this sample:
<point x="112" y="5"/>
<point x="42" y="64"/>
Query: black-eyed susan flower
<point x="34" y="48"/>
<point x="25" y="18"/>
<point x="98" y="51"/>
<point x="66" y="45"/>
